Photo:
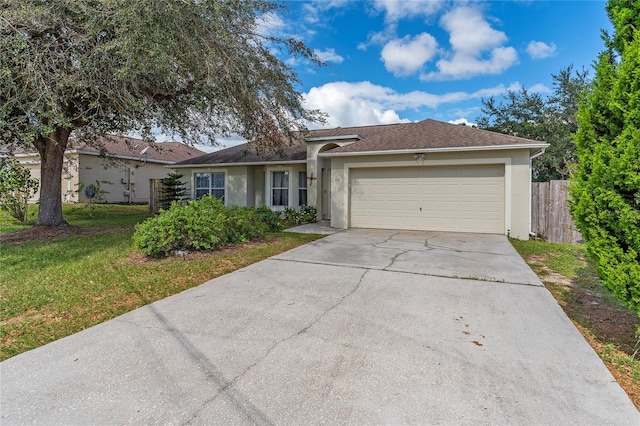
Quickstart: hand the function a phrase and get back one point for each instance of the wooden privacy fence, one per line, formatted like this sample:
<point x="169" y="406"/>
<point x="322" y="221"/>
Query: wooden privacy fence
<point x="550" y="217"/>
<point x="154" y="195"/>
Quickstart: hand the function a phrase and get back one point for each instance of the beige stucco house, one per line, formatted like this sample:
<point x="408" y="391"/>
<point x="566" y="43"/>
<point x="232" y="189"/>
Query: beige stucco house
<point x="428" y="175"/>
<point x="126" y="163"/>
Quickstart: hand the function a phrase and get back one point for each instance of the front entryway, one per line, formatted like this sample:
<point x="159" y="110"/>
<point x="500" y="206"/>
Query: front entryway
<point x="326" y="194"/>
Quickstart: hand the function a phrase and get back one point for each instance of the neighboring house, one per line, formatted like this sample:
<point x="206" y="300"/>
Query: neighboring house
<point x="126" y="163"/>
<point x="428" y="175"/>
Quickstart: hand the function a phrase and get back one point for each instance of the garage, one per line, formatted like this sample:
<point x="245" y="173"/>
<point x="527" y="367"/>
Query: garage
<point x="466" y="198"/>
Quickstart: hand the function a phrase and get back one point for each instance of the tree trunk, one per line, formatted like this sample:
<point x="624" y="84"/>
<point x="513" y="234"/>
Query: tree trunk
<point x="51" y="149"/>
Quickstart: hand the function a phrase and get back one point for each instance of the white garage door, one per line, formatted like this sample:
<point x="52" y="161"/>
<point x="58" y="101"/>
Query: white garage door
<point x="460" y="198"/>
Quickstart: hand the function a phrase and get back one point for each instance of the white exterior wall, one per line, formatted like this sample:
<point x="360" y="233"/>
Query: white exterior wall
<point x="250" y="185"/>
<point x="86" y="169"/>
<point x="243" y="184"/>
<point x="69" y="181"/>
<point x="517" y="181"/>
<point x="259" y="177"/>
<point x="236" y="186"/>
<point x="91" y="168"/>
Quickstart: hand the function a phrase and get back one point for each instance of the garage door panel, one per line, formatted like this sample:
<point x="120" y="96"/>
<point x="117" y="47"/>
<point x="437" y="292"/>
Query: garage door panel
<point x="460" y="198"/>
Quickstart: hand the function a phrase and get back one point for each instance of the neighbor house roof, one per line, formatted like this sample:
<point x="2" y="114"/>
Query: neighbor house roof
<point x="421" y="136"/>
<point x="125" y="147"/>
<point x="129" y="148"/>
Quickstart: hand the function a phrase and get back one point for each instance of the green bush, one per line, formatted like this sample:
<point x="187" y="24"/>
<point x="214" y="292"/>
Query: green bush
<point x="306" y="214"/>
<point x="269" y="218"/>
<point x="16" y="187"/>
<point x="204" y="224"/>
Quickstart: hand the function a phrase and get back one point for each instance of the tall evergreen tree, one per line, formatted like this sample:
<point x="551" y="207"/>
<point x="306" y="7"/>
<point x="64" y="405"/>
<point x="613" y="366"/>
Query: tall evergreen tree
<point x="172" y="189"/>
<point x="606" y="186"/>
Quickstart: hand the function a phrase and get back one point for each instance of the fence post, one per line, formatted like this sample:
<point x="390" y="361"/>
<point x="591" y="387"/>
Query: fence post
<point x="154" y="195"/>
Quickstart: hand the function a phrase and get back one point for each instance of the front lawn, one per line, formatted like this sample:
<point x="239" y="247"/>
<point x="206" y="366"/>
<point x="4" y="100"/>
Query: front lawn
<point x="53" y="288"/>
<point x="104" y="215"/>
<point x="609" y="327"/>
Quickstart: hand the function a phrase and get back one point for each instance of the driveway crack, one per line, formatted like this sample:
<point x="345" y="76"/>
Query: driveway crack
<point x="394" y="258"/>
<point x="313" y="322"/>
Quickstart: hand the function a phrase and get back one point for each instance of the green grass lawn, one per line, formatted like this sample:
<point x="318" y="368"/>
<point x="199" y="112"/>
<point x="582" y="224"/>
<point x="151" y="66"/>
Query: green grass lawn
<point x="607" y="324"/>
<point x="51" y="289"/>
<point x="104" y="215"/>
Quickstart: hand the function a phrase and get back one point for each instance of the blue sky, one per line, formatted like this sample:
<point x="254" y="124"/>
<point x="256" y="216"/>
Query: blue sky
<point x="390" y="61"/>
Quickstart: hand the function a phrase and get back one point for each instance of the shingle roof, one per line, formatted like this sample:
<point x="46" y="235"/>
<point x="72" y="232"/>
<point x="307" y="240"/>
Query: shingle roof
<point x="121" y="146"/>
<point x="246" y="153"/>
<point x="132" y="147"/>
<point x="296" y="150"/>
<point x="432" y="134"/>
<point x="427" y="134"/>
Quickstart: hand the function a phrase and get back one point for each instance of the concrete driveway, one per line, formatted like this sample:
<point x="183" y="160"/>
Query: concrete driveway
<point x="361" y="327"/>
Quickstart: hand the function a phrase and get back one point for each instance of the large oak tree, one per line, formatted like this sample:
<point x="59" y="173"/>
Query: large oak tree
<point x="192" y="68"/>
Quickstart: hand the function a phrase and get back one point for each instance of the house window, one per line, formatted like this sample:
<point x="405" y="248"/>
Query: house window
<point x="211" y="184"/>
<point x="280" y="188"/>
<point x="302" y="188"/>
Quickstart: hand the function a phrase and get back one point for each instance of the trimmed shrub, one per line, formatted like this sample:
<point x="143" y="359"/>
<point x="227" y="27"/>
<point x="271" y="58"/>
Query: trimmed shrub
<point x="204" y="224"/>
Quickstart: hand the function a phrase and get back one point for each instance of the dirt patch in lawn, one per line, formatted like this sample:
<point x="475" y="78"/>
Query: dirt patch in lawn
<point x="51" y="233"/>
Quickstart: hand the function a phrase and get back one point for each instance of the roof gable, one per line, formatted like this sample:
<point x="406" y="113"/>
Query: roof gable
<point x="423" y="135"/>
<point x="432" y="134"/>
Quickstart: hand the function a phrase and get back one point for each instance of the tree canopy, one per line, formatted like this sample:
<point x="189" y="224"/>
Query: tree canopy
<point x="552" y="119"/>
<point x="606" y="186"/>
<point x="191" y="68"/>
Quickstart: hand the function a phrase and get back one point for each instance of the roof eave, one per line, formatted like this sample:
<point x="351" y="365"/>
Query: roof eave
<point x="332" y="138"/>
<point x="428" y="150"/>
<point x="248" y="163"/>
<point x="97" y="154"/>
<point x="120" y="157"/>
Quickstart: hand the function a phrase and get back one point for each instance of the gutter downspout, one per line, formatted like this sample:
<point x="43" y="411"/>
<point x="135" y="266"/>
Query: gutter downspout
<point x="536" y="155"/>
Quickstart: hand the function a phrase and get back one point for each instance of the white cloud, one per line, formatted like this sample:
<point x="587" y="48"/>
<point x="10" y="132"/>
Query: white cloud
<point x="270" y="24"/>
<point x="364" y="103"/>
<point x="313" y="9"/>
<point x="476" y="47"/>
<point x="540" y="49"/>
<point x="353" y="104"/>
<point x="396" y="10"/>
<point x="328" y="55"/>
<point x="539" y="88"/>
<point x="407" y="55"/>
<point x="462" y="121"/>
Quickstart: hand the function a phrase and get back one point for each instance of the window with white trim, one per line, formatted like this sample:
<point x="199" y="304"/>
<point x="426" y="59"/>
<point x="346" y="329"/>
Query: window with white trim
<point x="210" y="184"/>
<point x="280" y="188"/>
<point x="302" y="188"/>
